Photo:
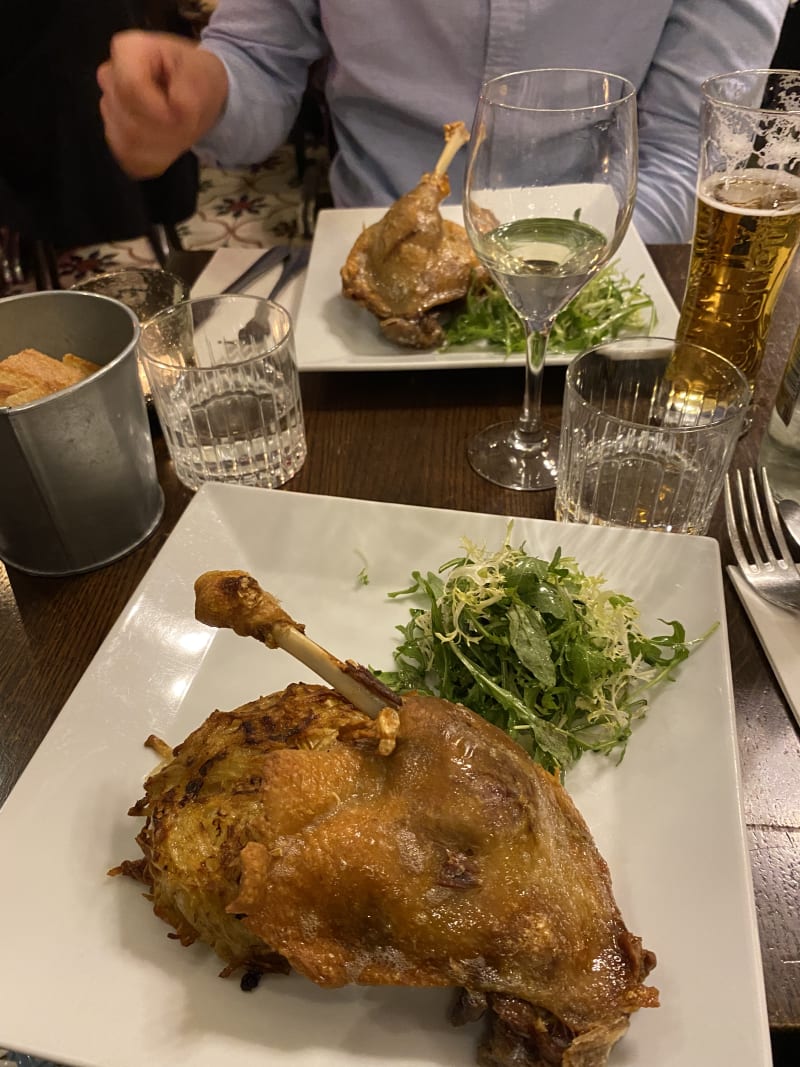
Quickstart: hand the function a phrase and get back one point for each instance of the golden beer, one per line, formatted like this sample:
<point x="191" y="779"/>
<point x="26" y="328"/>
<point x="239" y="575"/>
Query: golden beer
<point x="747" y="229"/>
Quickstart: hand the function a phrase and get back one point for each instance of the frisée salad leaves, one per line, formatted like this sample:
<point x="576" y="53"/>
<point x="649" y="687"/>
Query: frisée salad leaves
<point x="535" y="646"/>
<point x="608" y="306"/>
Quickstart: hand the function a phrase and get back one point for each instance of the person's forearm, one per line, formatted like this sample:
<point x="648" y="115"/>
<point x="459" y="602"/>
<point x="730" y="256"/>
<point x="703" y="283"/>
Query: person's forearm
<point x="266" y="50"/>
<point x="255" y="120"/>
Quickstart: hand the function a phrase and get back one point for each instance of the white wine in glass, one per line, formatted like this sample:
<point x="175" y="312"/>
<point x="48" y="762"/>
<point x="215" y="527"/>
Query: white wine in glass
<point x="549" y="193"/>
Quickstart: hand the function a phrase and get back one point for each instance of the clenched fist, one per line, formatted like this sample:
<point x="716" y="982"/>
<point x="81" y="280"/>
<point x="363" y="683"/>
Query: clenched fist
<point x="160" y="94"/>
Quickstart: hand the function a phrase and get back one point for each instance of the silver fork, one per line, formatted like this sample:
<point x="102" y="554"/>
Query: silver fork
<point x="774" y="577"/>
<point x="253" y="331"/>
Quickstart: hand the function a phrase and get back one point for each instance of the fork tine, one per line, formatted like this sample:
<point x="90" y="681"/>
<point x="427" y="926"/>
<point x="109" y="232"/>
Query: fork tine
<point x="746" y="524"/>
<point x="776" y="580"/>
<point x="733" y="530"/>
<point x="757" y="510"/>
<point x="775" y="522"/>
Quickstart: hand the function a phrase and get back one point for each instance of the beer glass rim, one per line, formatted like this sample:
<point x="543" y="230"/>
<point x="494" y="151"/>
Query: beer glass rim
<point x="735" y="408"/>
<point x="627" y="89"/>
<point x="707" y="87"/>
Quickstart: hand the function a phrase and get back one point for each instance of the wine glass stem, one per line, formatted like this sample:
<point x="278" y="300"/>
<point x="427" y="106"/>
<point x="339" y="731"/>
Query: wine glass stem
<point x="530" y="420"/>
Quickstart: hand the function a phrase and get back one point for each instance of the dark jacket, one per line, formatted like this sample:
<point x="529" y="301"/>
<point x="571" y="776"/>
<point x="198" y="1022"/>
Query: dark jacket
<point x="58" y="180"/>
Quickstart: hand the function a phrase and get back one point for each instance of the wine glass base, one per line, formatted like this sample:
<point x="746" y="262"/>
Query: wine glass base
<point x="513" y="459"/>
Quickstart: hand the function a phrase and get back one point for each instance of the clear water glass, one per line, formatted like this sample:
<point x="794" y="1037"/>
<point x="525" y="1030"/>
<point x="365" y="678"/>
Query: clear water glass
<point x="224" y="381"/>
<point x="648" y="431"/>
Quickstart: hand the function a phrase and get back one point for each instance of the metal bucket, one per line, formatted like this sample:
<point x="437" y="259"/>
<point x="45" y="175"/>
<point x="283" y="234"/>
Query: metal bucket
<point x="78" y="482"/>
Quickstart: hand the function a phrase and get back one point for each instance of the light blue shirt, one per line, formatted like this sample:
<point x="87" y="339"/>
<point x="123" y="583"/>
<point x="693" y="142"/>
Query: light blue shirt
<point x="400" y="69"/>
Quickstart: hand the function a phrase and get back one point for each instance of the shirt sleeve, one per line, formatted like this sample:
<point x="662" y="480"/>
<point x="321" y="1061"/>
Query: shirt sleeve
<point x="266" y="48"/>
<point x="701" y="38"/>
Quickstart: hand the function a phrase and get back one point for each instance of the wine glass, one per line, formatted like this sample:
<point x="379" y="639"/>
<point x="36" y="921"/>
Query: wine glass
<point x="548" y="196"/>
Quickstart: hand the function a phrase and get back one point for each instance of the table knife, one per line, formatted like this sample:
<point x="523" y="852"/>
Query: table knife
<point x="296" y="261"/>
<point x="789" y="511"/>
<point x="271" y="258"/>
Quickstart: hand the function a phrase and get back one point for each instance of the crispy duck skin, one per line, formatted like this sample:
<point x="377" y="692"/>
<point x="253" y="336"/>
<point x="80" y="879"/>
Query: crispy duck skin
<point x="287" y="833"/>
<point x="413" y="261"/>
<point x="204" y="804"/>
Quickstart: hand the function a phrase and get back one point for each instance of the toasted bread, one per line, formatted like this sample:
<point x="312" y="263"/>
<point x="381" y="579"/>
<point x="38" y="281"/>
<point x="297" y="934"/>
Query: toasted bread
<point x="31" y="375"/>
<point x="25" y="396"/>
<point x="40" y="369"/>
<point x="85" y="367"/>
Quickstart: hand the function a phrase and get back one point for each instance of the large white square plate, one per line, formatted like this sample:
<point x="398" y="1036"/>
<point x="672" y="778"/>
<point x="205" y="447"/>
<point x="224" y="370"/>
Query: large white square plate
<point x="88" y="975"/>
<point x="333" y="333"/>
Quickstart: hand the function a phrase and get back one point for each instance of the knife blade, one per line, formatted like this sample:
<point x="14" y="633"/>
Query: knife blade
<point x="790" y="513"/>
<point x="271" y="258"/>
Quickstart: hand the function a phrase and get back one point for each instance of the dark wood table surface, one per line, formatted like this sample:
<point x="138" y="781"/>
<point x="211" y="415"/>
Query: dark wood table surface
<point x="401" y="437"/>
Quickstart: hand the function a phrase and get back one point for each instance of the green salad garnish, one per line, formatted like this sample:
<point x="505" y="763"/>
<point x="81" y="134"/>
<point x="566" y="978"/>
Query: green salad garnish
<point x="607" y="307"/>
<point x="537" y="647"/>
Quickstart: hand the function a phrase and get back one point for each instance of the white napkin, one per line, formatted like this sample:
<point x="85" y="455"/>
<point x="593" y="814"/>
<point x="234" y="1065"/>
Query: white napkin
<point x="779" y="632"/>
<point x="227" y="264"/>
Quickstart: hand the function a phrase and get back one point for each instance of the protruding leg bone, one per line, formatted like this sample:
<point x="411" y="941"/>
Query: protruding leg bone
<point x="456" y="135"/>
<point x="234" y="600"/>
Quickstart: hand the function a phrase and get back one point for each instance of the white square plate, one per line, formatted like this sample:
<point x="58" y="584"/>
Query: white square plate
<point x="333" y="333"/>
<point x="88" y="974"/>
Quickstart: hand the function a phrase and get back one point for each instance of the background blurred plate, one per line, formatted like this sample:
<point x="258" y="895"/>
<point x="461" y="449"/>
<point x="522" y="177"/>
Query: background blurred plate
<point x="333" y="333"/>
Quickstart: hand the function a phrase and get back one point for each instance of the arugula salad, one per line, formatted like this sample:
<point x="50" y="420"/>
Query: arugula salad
<point x="535" y="646"/>
<point x="608" y="306"/>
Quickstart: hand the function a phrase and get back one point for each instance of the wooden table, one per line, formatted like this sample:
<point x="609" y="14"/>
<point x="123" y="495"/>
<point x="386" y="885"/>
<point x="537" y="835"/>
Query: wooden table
<point x="401" y="437"/>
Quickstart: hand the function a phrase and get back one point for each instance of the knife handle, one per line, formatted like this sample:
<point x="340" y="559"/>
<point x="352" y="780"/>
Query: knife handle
<point x="265" y="262"/>
<point x="296" y="262"/>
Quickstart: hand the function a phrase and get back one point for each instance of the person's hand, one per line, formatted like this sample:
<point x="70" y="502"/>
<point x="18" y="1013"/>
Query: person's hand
<point x="160" y="94"/>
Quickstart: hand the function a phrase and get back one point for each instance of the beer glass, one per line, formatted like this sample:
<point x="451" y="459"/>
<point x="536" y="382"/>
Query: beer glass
<point x="747" y="223"/>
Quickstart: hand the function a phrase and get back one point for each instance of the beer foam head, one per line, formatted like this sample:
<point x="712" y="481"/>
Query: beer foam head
<point x="752" y="191"/>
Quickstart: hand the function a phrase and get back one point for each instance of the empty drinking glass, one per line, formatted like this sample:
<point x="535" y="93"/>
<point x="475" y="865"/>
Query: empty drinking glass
<point x="145" y="290"/>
